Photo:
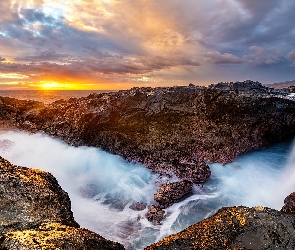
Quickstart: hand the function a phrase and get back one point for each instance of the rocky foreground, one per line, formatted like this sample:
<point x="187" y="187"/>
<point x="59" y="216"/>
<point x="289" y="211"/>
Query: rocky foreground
<point x="35" y="213"/>
<point x="235" y="228"/>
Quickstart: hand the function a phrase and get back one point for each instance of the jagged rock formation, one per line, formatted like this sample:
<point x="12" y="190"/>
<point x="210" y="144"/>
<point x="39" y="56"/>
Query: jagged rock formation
<point x="36" y="213"/>
<point x="155" y="214"/>
<point x="173" y="192"/>
<point x="170" y="130"/>
<point x="235" y="228"/>
<point x="30" y="197"/>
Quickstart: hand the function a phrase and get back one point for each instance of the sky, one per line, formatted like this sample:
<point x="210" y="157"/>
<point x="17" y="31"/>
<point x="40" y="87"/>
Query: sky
<point x="118" y="44"/>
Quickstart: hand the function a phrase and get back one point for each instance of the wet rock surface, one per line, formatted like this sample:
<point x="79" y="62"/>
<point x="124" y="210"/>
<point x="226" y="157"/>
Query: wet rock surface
<point x="155" y="214"/>
<point x="289" y="204"/>
<point x="36" y="213"/>
<point x="171" y="130"/>
<point x="235" y="228"/>
<point x="174" y="192"/>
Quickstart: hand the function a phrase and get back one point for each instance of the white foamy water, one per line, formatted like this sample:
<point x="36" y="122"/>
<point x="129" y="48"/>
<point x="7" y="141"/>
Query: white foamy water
<point x="102" y="186"/>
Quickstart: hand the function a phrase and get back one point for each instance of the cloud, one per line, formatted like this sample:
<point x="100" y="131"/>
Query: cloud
<point x="2" y="59"/>
<point x="218" y="58"/>
<point x="126" y="40"/>
<point x="291" y="56"/>
<point x="262" y="55"/>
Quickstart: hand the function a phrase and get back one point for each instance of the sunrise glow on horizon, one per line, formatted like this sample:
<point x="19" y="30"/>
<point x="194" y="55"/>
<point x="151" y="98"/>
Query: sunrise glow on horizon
<point x="110" y="44"/>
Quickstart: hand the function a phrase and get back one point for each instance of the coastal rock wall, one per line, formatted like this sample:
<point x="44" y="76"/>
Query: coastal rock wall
<point x="36" y="213"/>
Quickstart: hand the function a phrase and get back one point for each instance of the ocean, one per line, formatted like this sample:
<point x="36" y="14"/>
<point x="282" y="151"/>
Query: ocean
<point x="48" y="96"/>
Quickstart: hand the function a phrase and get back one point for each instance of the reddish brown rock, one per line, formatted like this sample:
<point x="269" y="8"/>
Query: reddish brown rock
<point x="155" y="214"/>
<point x="289" y="204"/>
<point x="174" y="192"/>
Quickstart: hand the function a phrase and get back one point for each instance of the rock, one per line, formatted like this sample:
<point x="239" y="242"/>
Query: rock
<point x="197" y="173"/>
<point x="155" y="214"/>
<point x="56" y="236"/>
<point x="36" y="213"/>
<point x="138" y="206"/>
<point x="30" y="197"/>
<point x="289" y="204"/>
<point x="174" y="192"/>
<point x="235" y="228"/>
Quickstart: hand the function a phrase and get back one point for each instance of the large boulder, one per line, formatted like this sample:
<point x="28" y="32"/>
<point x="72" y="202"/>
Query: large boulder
<point x="235" y="228"/>
<point x="30" y="197"/>
<point x="36" y="213"/>
<point x="173" y="192"/>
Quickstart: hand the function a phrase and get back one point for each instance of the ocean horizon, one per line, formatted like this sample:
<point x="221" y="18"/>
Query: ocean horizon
<point x="49" y="96"/>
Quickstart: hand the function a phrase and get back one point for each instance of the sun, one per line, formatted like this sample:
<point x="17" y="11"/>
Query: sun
<point x="50" y="85"/>
<point x="55" y="85"/>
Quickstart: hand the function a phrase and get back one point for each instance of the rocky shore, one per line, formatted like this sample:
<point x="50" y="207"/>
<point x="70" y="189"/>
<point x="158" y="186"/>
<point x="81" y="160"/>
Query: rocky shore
<point x="173" y="131"/>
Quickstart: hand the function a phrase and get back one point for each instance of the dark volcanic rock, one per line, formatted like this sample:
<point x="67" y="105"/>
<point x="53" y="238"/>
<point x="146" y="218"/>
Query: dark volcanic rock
<point x="170" y="130"/>
<point x="36" y="213"/>
<point x="289" y="204"/>
<point x="155" y="214"/>
<point x="170" y="193"/>
<point x="56" y="236"/>
<point x="235" y="228"/>
<point x="30" y="197"/>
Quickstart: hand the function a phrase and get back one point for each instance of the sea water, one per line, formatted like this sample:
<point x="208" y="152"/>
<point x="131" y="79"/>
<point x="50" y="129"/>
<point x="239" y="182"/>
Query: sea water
<point x="102" y="186"/>
<point x="48" y="96"/>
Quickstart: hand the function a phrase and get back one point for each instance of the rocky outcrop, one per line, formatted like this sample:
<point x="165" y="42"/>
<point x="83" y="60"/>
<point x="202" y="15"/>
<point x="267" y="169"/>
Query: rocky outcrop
<point x="36" y="213"/>
<point x="155" y="214"/>
<point x="289" y="204"/>
<point x="173" y="192"/>
<point x="56" y="236"/>
<point x="235" y="228"/>
<point x="170" y="130"/>
<point x="30" y="197"/>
